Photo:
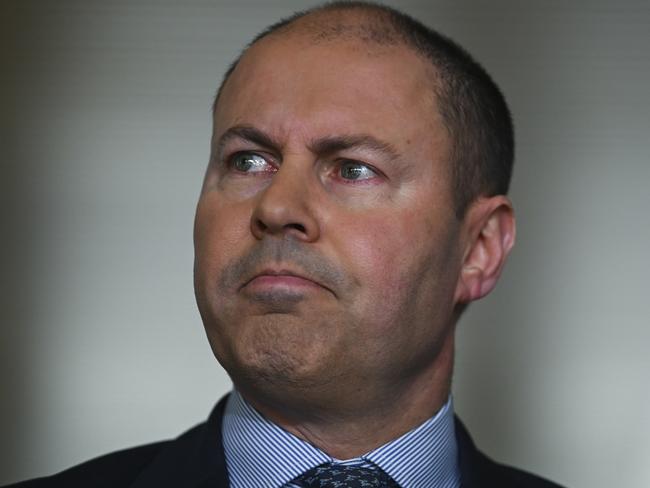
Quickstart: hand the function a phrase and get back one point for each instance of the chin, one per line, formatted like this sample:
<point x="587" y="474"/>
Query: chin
<point x="277" y="351"/>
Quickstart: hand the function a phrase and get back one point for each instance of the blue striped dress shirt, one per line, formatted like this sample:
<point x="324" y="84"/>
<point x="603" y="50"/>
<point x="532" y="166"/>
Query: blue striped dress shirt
<point x="260" y="454"/>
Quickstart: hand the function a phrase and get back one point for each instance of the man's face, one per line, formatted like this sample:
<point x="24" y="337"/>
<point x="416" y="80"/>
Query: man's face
<point x="327" y="250"/>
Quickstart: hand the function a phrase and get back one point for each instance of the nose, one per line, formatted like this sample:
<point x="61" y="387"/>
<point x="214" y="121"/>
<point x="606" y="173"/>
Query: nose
<point x="286" y="207"/>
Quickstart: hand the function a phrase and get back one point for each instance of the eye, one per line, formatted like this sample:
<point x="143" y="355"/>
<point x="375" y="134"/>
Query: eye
<point x="247" y="162"/>
<point x="355" y="171"/>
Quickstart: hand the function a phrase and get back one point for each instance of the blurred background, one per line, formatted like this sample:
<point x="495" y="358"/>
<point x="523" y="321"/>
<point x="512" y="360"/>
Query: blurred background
<point x="104" y="133"/>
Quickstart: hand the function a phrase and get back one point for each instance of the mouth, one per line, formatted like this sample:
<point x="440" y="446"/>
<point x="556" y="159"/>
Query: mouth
<point x="269" y="280"/>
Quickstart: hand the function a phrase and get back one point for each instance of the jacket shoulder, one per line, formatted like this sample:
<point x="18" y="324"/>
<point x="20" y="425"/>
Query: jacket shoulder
<point x="502" y="476"/>
<point x="194" y="459"/>
<point x="479" y="471"/>
<point x="114" y="470"/>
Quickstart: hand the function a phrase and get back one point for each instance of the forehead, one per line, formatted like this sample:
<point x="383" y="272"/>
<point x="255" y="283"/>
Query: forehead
<point x="292" y="85"/>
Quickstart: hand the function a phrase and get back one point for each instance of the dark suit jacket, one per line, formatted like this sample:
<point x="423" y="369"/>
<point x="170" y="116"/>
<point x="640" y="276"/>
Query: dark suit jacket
<point x="196" y="460"/>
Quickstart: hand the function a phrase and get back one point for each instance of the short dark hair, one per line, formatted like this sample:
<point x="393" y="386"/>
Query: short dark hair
<point x="471" y="104"/>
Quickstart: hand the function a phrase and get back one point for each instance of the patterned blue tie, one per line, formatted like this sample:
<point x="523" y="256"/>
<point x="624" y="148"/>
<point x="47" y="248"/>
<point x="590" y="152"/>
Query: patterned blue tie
<point x="340" y="476"/>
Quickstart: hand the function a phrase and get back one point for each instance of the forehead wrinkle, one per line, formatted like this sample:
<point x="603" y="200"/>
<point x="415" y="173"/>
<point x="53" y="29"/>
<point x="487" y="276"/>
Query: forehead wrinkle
<point x="322" y="145"/>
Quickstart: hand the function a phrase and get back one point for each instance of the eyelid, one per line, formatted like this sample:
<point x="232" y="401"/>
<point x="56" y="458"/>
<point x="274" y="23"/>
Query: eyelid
<point x="376" y="177"/>
<point x="228" y="160"/>
<point x="342" y="161"/>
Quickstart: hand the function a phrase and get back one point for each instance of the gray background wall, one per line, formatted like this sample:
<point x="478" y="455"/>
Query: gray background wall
<point x="104" y="137"/>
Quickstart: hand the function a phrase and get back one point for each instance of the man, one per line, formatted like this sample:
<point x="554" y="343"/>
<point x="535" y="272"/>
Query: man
<point x="353" y="205"/>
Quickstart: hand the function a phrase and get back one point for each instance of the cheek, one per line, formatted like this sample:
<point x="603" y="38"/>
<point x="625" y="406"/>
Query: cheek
<point x="402" y="267"/>
<point x="220" y="234"/>
<point x="380" y="253"/>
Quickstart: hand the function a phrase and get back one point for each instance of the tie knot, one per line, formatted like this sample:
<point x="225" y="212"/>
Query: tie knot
<point x="341" y="476"/>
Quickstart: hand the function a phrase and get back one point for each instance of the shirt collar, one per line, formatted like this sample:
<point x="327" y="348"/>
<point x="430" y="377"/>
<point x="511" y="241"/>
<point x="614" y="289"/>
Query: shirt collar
<point x="261" y="453"/>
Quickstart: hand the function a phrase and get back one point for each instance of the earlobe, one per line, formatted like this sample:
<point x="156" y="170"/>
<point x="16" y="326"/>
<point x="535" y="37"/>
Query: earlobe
<point x="490" y="235"/>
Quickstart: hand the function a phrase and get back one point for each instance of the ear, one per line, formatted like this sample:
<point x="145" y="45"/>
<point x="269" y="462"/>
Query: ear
<point x="489" y="234"/>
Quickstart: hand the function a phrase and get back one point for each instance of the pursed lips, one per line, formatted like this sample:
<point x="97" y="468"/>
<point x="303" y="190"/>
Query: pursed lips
<point x="283" y="278"/>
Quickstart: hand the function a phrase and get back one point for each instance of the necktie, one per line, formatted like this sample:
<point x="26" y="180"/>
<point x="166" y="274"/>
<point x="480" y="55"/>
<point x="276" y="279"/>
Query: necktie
<point x="341" y="476"/>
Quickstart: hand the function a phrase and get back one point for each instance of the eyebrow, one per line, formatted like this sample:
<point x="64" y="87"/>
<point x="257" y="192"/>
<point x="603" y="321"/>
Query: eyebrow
<point x="323" y="145"/>
<point x="247" y="133"/>
<point x="333" y="144"/>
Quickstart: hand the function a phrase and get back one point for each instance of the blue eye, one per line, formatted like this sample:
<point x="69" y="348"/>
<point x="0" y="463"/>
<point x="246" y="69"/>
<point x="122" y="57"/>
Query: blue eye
<point x="352" y="170"/>
<point x="249" y="163"/>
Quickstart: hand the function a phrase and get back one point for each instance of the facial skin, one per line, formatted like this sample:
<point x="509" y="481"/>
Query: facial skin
<point x="329" y="261"/>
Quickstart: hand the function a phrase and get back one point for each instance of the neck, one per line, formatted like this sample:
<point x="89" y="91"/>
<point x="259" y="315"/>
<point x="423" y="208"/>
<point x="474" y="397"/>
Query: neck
<point x="383" y="415"/>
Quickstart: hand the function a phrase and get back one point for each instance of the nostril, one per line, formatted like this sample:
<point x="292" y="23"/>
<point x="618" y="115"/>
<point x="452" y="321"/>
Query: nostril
<point x="261" y="225"/>
<point x="298" y="227"/>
